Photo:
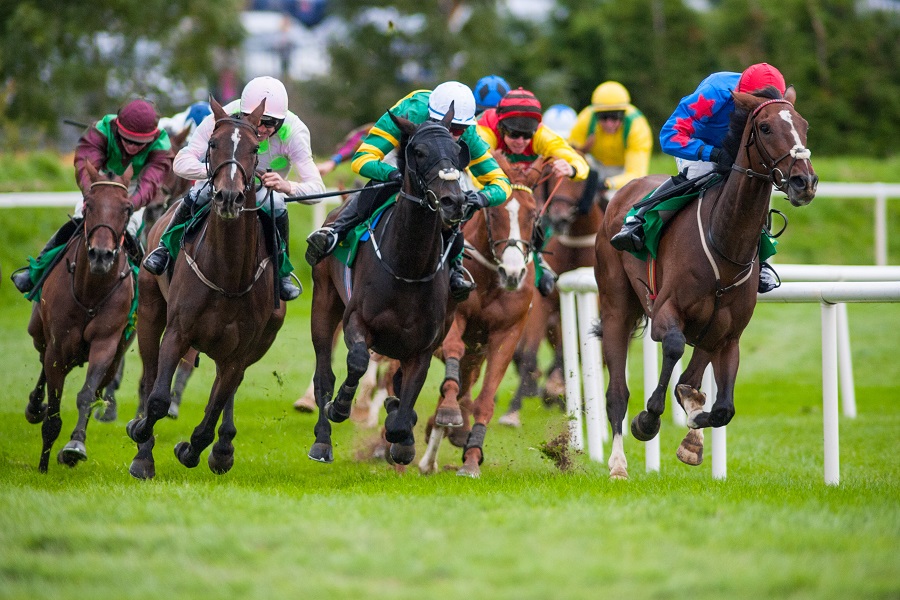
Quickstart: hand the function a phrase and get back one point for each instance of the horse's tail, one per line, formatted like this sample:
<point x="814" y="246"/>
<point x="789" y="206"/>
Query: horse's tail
<point x="640" y="325"/>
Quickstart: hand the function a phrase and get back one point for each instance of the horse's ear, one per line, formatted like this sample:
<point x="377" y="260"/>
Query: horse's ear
<point x="257" y="113"/>
<point x="448" y="118"/>
<point x="746" y="101"/>
<point x="181" y="137"/>
<point x="218" y="111"/>
<point x="790" y="94"/>
<point x="405" y="125"/>
<point x="127" y="175"/>
<point x="92" y="172"/>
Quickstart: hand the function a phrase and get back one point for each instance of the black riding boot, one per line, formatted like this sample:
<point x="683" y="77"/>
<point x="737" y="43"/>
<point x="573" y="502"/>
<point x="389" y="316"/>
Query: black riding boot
<point x="357" y="209"/>
<point x="461" y="284"/>
<point x="548" y="278"/>
<point x="22" y="278"/>
<point x="157" y="261"/>
<point x="289" y="291"/>
<point x="631" y="237"/>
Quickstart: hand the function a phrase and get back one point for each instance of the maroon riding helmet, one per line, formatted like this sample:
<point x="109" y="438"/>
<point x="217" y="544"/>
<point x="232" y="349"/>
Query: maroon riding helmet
<point x="137" y="122"/>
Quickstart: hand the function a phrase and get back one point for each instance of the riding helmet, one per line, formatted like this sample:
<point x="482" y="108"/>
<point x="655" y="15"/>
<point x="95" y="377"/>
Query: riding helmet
<point x="137" y="121"/>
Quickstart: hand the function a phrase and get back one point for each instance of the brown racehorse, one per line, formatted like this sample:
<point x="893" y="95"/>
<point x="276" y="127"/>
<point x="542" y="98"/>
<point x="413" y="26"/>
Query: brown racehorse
<point x="574" y="222"/>
<point x="487" y="326"/>
<point x="706" y="273"/>
<point x="219" y="301"/>
<point x="396" y="299"/>
<point x="82" y="314"/>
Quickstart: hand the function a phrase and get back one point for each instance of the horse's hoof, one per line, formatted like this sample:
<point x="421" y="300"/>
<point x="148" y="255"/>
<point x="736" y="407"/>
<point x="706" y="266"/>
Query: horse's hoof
<point x="458" y="436"/>
<point x="510" y="419"/>
<point x="305" y="405"/>
<point x="220" y="463"/>
<point x="689" y="453"/>
<point x="403" y="454"/>
<point x="108" y="413"/>
<point x="321" y="452"/>
<point x="35" y="417"/>
<point x="182" y="452"/>
<point x="640" y="430"/>
<point x="72" y="453"/>
<point x="470" y="469"/>
<point x="173" y="411"/>
<point x="335" y="414"/>
<point x="618" y="474"/>
<point x="142" y="469"/>
<point x="448" y="417"/>
<point x="137" y="431"/>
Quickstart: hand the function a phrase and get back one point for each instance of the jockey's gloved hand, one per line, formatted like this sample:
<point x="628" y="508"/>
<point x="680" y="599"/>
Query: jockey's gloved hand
<point x="396" y="176"/>
<point x="722" y="159"/>
<point x="477" y="199"/>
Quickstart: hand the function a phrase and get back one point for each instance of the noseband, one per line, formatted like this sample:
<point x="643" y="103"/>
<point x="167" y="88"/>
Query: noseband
<point x="118" y="236"/>
<point x="774" y="175"/>
<point x="525" y="247"/>
<point x="212" y="171"/>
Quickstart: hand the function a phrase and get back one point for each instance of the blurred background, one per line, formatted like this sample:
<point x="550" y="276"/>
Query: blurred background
<point x="346" y="61"/>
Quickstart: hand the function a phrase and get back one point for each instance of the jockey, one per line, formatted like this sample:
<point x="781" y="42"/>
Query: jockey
<point x="284" y="142"/>
<point x="515" y="128"/>
<point x="694" y="135"/>
<point x="345" y="149"/>
<point x="115" y="142"/>
<point x="418" y="106"/>
<point x="189" y="118"/>
<point x="615" y="135"/>
<point x="488" y="92"/>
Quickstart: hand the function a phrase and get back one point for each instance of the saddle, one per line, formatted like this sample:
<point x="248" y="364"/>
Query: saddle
<point x="346" y="250"/>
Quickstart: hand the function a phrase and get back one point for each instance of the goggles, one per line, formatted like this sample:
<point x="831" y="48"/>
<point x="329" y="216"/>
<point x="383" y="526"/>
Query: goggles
<point x="613" y="115"/>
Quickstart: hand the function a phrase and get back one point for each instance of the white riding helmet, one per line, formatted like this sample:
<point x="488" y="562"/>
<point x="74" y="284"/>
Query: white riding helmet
<point x="560" y="118"/>
<point x="267" y="88"/>
<point x="463" y="103"/>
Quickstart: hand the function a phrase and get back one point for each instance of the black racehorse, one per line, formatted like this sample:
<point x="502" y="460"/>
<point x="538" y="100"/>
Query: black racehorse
<point x="396" y="300"/>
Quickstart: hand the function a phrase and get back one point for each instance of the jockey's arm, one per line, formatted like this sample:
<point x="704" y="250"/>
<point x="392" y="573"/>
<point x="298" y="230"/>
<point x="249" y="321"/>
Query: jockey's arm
<point x="485" y="170"/>
<point x="299" y="153"/>
<point x="581" y="137"/>
<point x="368" y="161"/>
<point x="681" y="134"/>
<point x="91" y="148"/>
<point x="151" y="177"/>
<point x="190" y="162"/>
<point x="568" y="162"/>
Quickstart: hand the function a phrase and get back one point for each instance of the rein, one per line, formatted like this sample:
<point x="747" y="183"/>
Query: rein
<point x="260" y="269"/>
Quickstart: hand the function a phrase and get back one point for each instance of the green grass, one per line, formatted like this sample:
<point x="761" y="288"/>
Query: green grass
<point x="279" y="524"/>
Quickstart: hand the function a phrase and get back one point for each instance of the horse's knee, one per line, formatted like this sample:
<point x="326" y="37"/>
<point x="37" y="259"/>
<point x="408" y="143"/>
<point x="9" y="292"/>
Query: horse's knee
<point x="358" y="359"/>
<point x="157" y="408"/>
<point x="673" y="344"/>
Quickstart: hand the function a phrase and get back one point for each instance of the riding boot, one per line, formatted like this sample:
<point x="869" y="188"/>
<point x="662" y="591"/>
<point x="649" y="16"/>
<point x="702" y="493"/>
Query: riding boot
<point x="461" y="284"/>
<point x="324" y="240"/>
<point x="548" y="278"/>
<point x="631" y="236"/>
<point x="289" y="291"/>
<point x="768" y="278"/>
<point x="157" y="261"/>
<point x="22" y="278"/>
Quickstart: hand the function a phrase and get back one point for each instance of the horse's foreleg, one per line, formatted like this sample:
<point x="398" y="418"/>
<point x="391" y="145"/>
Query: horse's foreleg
<point x="52" y="423"/>
<point x="690" y="452"/>
<point x="185" y="368"/>
<point x="171" y="350"/>
<point x="221" y="459"/>
<point x="322" y="329"/>
<point x="615" y="354"/>
<point x="725" y="367"/>
<point x="338" y="410"/>
<point x="400" y="422"/>
<point x="447" y="413"/>
<point x="110" y="411"/>
<point x="645" y="426"/>
<point x="228" y="379"/>
<point x="36" y="409"/>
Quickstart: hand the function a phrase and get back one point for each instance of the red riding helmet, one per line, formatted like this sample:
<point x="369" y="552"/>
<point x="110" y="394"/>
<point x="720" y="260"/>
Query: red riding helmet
<point x="137" y="121"/>
<point x="519" y="110"/>
<point x="756" y="77"/>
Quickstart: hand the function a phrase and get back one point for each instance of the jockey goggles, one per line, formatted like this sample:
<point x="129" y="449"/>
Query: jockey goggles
<point x="611" y="115"/>
<point x="516" y="134"/>
<point x="270" y="122"/>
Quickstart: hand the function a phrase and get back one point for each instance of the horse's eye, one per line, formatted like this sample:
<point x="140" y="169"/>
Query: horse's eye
<point x="765" y="128"/>
<point x="212" y="144"/>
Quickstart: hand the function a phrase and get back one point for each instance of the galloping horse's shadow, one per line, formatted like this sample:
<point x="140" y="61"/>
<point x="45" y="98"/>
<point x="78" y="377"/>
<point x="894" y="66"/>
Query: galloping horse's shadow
<point x="396" y="299"/>
<point x="219" y="301"/>
<point x="701" y="290"/>
<point x="488" y="325"/>
<point x="82" y="314"/>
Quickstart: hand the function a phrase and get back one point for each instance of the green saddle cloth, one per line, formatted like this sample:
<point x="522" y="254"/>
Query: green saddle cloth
<point x="347" y="249"/>
<point x="654" y="224"/>
<point x="171" y="239"/>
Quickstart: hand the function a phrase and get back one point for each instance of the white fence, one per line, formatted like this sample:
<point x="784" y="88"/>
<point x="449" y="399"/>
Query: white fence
<point x="578" y="303"/>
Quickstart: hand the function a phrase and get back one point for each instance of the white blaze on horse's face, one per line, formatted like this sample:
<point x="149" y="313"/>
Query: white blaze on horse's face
<point x="236" y="139"/>
<point x="513" y="259"/>
<point x="798" y="151"/>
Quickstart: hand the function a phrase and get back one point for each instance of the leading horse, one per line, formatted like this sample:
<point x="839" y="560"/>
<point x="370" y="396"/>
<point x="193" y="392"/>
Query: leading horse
<point x="219" y="301"/>
<point x="396" y="300"/>
<point x="701" y="288"/>
<point x="82" y="314"/>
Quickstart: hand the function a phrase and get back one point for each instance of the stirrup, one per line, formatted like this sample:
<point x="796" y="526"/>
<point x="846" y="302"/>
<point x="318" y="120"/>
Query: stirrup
<point x="151" y="263"/>
<point x="288" y="290"/>
<point x="21" y="278"/>
<point x="318" y="248"/>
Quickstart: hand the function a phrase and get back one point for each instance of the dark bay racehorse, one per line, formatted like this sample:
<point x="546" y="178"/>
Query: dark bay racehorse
<point x="574" y="221"/>
<point x="82" y="314"/>
<point x="219" y="301"/>
<point x="396" y="300"/>
<point x="702" y="288"/>
<point x="487" y="326"/>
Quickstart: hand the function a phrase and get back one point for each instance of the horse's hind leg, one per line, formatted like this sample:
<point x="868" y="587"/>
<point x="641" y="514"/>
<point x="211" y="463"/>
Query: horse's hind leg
<point x="338" y="410"/>
<point x="327" y="307"/>
<point x="185" y="368"/>
<point x="616" y="332"/>
<point x="36" y="409"/>
<point x="221" y="459"/>
<point x="645" y="426"/>
<point x="228" y="379"/>
<point x="400" y="422"/>
<point x="110" y="412"/>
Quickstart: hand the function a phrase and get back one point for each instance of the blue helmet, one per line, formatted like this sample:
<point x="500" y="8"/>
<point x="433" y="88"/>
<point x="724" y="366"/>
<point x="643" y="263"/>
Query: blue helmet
<point x="197" y="112"/>
<point x="488" y="92"/>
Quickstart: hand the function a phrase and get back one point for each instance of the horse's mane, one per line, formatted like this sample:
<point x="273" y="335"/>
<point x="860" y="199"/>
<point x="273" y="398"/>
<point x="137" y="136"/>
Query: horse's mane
<point x="732" y="141"/>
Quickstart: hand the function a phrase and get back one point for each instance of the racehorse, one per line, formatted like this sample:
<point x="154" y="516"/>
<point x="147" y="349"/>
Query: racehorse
<point x="574" y="220"/>
<point x="488" y="324"/>
<point x="219" y="300"/>
<point x="82" y="314"/>
<point x="701" y="288"/>
<point x="396" y="299"/>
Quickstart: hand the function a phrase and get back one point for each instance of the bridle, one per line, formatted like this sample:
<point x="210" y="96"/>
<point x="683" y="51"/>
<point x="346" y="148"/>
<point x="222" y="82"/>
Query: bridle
<point x="773" y="174"/>
<point x="119" y="236"/>
<point x="523" y="246"/>
<point x="423" y="195"/>
<point x="211" y="172"/>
